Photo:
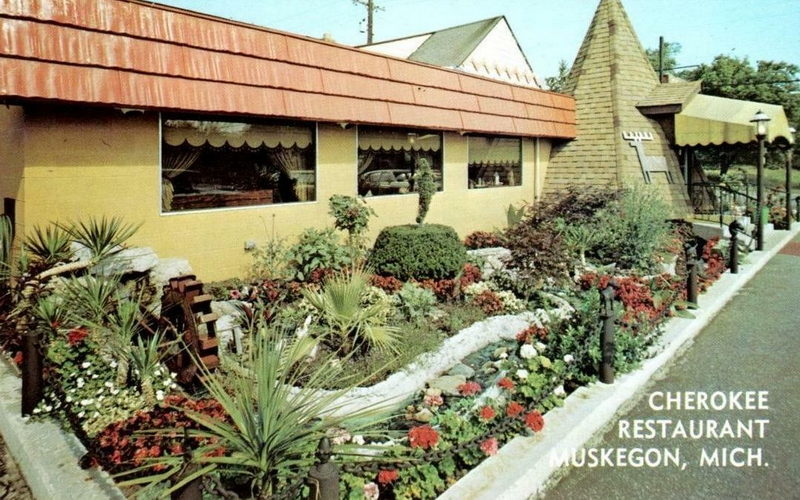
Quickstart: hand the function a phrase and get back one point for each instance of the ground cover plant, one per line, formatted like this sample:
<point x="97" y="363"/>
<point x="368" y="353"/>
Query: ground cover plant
<point x="317" y="320"/>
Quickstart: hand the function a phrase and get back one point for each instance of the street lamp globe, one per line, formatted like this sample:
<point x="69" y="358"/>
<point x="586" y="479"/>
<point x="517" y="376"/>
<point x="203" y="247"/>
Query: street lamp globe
<point x="761" y="120"/>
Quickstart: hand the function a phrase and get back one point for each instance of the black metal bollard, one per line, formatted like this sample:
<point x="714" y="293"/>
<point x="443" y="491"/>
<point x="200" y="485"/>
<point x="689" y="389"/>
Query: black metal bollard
<point x="607" y="334"/>
<point x="797" y="212"/>
<point x="735" y="228"/>
<point x="692" y="263"/>
<point x="32" y="376"/>
<point x="323" y="478"/>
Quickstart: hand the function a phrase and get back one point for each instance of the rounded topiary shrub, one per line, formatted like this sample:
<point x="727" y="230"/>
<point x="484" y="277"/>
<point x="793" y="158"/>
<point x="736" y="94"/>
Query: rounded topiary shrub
<point x="425" y="251"/>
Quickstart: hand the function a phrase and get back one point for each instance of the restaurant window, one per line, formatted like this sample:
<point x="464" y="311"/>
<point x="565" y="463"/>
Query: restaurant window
<point x="217" y="163"/>
<point x="388" y="159"/>
<point x="494" y="161"/>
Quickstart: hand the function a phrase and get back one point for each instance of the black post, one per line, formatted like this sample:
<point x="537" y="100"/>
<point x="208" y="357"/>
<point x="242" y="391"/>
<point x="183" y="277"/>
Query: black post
<point x="760" y="195"/>
<point x="32" y="376"/>
<point x="797" y="213"/>
<point x="192" y="490"/>
<point x="734" y="228"/>
<point x="789" y="153"/>
<point x="691" y="266"/>
<point x="607" y="334"/>
<point x="323" y="478"/>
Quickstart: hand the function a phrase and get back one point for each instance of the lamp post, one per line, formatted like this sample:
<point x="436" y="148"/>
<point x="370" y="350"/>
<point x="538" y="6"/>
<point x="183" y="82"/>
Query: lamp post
<point x="789" y="153"/>
<point x="760" y="120"/>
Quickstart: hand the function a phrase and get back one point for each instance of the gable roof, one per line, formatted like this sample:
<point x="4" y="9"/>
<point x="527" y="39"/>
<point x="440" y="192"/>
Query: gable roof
<point x="137" y="54"/>
<point x="610" y="75"/>
<point x="450" y="47"/>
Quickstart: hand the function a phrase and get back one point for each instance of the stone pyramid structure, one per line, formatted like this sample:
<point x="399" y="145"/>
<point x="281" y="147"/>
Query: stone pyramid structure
<point x="610" y="75"/>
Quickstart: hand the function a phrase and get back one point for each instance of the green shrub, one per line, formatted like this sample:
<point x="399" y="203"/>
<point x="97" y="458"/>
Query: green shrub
<point x="317" y="249"/>
<point x="414" y="302"/>
<point x="425" y="251"/>
<point x="633" y="230"/>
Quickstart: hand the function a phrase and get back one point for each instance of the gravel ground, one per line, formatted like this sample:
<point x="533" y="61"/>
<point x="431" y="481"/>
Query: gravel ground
<point x="12" y="485"/>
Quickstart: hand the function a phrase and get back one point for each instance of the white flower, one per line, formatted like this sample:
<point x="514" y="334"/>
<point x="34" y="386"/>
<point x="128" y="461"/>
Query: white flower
<point x="100" y="398"/>
<point x="86" y="402"/>
<point x="522" y="374"/>
<point x="114" y="391"/>
<point x="540" y="346"/>
<point x="358" y="439"/>
<point x="69" y="399"/>
<point x="160" y="395"/>
<point x="99" y="390"/>
<point x="527" y="351"/>
<point x="81" y="414"/>
<point x="48" y="408"/>
<point x="96" y="414"/>
<point x="81" y="383"/>
<point x="559" y="391"/>
<point x="94" y="376"/>
<point x="85" y="364"/>
<point x="37" y="410"/>
<point x="167" y="383"/>
<point x="109" y="384"/>
<point x="371" y="491"/>
<point x="73" y="389"/>
<point x="173" y="385"/>
<point x="113" y="364"/>
<point x="173" y="375"/>
<point x="568" y="358"/>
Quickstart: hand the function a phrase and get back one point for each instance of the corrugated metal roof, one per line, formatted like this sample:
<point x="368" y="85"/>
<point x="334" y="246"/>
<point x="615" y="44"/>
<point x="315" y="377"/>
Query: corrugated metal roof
<point x="135" y="54"/>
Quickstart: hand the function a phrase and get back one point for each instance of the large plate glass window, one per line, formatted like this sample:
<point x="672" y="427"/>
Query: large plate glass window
<point x="230" y="163"/>
<point x="388" y="159"/>
<point x="494" y="161"/>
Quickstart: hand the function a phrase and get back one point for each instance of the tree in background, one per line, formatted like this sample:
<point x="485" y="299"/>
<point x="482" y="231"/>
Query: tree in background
<point x="671" y="50"/>
<point x="561" y="81"/>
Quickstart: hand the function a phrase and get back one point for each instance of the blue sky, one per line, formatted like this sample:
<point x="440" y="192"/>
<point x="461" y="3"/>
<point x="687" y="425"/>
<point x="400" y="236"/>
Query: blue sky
<point x="548" y="30"/>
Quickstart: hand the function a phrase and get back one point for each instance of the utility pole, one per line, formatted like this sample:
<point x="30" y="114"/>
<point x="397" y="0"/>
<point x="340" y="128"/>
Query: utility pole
<point x="371" y="8"/>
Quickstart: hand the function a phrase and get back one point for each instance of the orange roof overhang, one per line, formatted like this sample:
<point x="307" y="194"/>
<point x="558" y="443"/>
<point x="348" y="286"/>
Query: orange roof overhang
<point x="129" y="53"/>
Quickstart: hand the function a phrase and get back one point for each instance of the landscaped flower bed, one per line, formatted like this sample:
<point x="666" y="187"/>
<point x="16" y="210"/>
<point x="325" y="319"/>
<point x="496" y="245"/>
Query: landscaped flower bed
<point x="471" y="361"/>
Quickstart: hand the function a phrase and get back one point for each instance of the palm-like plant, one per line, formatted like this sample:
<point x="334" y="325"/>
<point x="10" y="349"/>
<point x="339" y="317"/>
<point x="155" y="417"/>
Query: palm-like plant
<point x="49" y="245"/>
<point x="123" y="327"/>
<point x="90" y="300"/>
<point x="340" y="303"/>
<point x="102" y="237"/>
<point x="145" y="358"/>
<point x="277" y="413"/>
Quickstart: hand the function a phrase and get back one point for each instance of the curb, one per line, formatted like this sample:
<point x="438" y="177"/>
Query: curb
<point x="47" y="455"/>
<point x="523" y="467"/>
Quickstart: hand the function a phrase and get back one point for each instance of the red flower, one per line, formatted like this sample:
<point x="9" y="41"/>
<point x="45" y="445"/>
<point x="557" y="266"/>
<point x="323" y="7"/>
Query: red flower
<point x="487" y="413"/>
<point x="469" y="389"/>
<point x="386" y="476"/>
<point x="490" y="446"/>
<point x="18" y="358"/>
<point x="534" y="421"/>
<point x="506" y="383"/>
<point x="514" y="409"/>
<point x="423" y="436"/>
<point x="76" y="335"/>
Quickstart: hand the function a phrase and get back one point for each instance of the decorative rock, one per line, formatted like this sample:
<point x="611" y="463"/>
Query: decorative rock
<point x="424" y="415"/>
<point x="229" y="331"/>
<point x="448" y="384"/>
<point x="227" y="307"/>
<point x="495" y="259"/>
<point x="461" y="369"/>
<point x="129" y="260"/>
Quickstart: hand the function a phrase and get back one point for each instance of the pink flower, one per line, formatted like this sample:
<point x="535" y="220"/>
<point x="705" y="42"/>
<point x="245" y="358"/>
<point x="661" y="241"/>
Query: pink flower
<point x="386" y="476"/>
<point x="490" y="446"/>
<point x="487" y="413"/>
<point x="433" y="400"/>
<point x="534" y="421"/>
<point x="506" y="383"/>
<point x="514" y="409"/>
<point x="469" y="388"/>
<point x="423" y="436"/>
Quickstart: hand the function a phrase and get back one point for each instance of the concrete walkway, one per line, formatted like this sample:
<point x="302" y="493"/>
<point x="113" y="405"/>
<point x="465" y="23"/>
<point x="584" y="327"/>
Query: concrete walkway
<point x="753" y="345"/>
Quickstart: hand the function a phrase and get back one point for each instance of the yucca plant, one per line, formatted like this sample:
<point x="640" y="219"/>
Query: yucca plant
<point x="340" y="303"/>
<point x="145" y="358"/>
<point x="102" y="236"/>
<point x="123" y="327"/>
<point x="90" y="300"/>
<point x="277" y="413"/>
<point x="49" y="245"/>
<point x="50" y="311"/>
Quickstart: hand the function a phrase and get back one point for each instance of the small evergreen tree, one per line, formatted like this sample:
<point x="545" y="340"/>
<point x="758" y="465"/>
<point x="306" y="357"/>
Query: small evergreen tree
<point x="426" y="186"/>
